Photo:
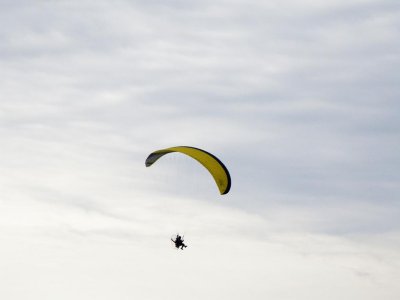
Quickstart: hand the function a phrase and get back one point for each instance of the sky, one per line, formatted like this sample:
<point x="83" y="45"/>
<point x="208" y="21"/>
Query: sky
<point x="299" y="99"/>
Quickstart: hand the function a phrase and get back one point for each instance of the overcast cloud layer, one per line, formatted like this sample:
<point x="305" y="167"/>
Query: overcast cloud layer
<point x="298" y="98"/>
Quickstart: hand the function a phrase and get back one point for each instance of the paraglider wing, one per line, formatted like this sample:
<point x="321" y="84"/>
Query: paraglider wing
<point x="216" y="168"/>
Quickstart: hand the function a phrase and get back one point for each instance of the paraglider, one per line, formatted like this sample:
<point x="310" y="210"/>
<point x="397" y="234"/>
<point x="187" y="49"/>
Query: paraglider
<point x="179" y="242"/>
<point x="216" y="168"/>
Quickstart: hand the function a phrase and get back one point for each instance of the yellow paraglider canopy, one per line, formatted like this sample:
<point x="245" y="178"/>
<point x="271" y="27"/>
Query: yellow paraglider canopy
<point x="216" y="168"/>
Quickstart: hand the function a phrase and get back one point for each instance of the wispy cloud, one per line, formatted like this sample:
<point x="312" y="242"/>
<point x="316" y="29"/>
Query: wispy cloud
<point x="298" y="99"/>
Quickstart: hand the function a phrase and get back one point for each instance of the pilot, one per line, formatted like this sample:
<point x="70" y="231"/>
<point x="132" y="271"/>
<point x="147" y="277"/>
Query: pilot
<point x="179" y="242"/>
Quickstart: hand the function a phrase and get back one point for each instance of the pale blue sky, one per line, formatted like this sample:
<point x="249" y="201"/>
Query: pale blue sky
<point x="298" y="98"/>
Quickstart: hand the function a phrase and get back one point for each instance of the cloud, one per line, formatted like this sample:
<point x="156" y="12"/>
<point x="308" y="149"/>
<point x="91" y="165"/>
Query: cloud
<point x="298" y="99"/>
